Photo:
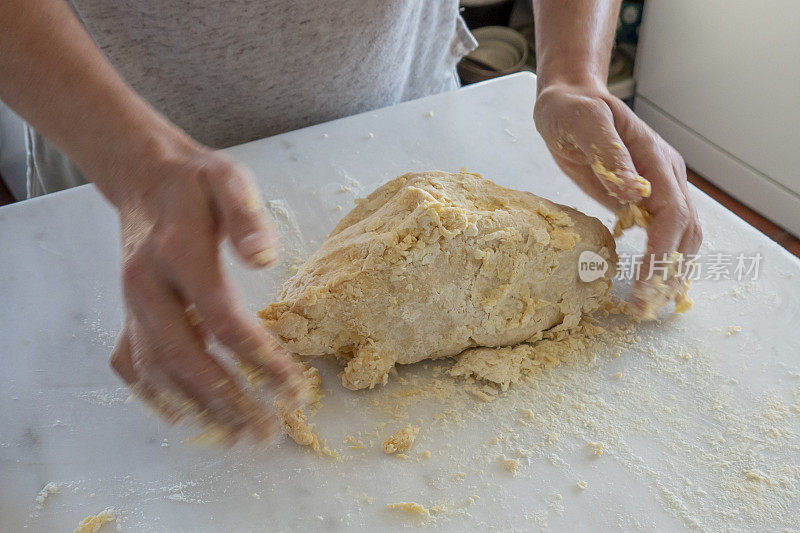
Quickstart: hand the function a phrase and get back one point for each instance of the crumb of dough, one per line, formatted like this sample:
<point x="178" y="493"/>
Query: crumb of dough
<point x="430" y="114"/>
<point x="642" y="185"/>
<point x="353" y="443"/>
<point x="686" y="356"/>
<point x="666" y="283"/>
<point x="47" y="490"/>
<point x="733" y="330"/>
<point x="582" y="484"/>
<point x="511" y="464"/>
<point x="529" y="414"/>
<point x="412" y="508"/>
<point x="401" y="440"/>
<point x="294" y="421"/>
<point x="93" y="523"/>
<point x="597" y="447"/>
<point x="426" y="454"/>
<point x="683" y="303"/>
<point x="630" y="215"/>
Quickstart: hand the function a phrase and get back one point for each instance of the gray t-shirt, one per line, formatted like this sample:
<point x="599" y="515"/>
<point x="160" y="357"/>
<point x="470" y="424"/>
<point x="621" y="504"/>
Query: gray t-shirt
<point x="232" y="71"/>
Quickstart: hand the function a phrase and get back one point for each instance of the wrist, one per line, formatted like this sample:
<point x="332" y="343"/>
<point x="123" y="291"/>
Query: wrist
<point x="579" y="75"/>
<point x="139" y="158"/>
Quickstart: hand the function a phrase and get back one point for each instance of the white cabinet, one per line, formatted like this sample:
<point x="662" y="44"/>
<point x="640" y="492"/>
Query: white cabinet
<point x="720" y="81"/>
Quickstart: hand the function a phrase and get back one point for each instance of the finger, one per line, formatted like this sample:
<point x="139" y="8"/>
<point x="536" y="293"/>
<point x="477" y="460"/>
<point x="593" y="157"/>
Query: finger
<point x="182" y="358"/>
<point x="692" y="237"/>
<point x="221" y="307"/>
<point x="693" y="234"/>
<point x="122" y="363"/>
<point x="583" y="176"/>
<point x="120" y="360"/>
<point x="196" y="270"/>
<point x="592" y="130"/>
<point x="244" y="217"/>
<point x="656" y="283"/>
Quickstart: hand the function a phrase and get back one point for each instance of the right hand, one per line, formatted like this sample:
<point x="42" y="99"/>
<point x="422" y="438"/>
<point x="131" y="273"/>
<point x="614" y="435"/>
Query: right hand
<point x="603" y="146"/>
<point x="174" y="213"/>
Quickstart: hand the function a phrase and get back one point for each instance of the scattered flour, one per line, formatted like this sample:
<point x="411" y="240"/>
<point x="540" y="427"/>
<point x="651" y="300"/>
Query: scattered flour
<point x="49" y="489"/>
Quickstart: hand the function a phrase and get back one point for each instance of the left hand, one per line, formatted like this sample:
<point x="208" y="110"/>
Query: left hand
<point x="604" y="147"/>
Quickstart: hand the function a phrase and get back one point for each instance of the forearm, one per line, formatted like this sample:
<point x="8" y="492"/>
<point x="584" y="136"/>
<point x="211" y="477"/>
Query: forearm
<point x="54" y="76"/>
<point x="574" y="40"/>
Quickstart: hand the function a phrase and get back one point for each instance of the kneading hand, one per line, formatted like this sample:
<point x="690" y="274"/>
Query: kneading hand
<point x="172" y="224"/>
<point x="606" y="149"/>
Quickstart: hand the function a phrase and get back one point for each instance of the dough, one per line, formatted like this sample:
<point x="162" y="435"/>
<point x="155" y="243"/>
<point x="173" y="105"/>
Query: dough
<point x="412" y="508"/>
<point x="294" y="421"/>
<point x="401" y="440"/>
<point x="433" y="263"/>
<point x="93" y="523"/>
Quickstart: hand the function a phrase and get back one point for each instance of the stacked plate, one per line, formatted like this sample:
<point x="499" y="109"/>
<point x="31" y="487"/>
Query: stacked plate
<point x="500" y="51"/>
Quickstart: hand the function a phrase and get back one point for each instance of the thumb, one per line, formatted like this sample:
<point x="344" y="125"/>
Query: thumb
<point x="244" y="218"/>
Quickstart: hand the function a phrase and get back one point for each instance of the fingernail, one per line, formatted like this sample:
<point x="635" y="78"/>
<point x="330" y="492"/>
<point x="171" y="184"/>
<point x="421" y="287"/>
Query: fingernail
<point x="265" y="258"/>
<point x="255" y="203"/>
<point x="256" y="242"/>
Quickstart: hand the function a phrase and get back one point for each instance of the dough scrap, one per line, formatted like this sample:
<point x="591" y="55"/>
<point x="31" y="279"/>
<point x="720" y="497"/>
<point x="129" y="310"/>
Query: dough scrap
<point x="294" y="421"/>
<point x="433" y="263"/>
<point x="401" y="440"/>
<point x="93" y="523"/>
<point x="510" y="464"/>
<point x="413" y="508"/>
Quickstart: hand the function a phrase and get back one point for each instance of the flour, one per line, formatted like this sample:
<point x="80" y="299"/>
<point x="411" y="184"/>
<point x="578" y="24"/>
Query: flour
<point x="295" y="247"/>
<point x="49" y="489"/>
<point x="744" y="465"/>
<point x="106" y="397"/>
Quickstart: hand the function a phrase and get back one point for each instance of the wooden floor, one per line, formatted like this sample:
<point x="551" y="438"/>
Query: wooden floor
<point x="765" y="226"/>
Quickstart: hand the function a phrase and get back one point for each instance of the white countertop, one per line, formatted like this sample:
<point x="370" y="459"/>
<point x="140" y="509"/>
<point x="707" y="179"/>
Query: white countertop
<point x="709" y="439"/>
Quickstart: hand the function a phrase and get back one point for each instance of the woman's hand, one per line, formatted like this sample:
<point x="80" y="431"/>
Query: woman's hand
<point x="177" y="201"/>
<point x="606" y="149"/>
<point x="174" y="213"/>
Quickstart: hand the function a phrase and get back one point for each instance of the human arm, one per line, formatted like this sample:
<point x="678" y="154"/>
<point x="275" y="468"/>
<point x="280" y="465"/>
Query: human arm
<point x="177" y="201"/>
<point x="597" y="140"/>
